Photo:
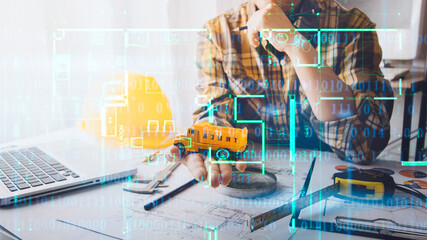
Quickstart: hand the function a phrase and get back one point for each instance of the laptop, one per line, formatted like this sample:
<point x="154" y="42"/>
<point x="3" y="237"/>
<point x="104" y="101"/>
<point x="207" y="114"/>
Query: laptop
<point x="61" y="161"/>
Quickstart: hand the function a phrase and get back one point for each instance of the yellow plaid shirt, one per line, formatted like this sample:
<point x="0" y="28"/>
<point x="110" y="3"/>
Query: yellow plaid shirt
<point x="229" y="66"/>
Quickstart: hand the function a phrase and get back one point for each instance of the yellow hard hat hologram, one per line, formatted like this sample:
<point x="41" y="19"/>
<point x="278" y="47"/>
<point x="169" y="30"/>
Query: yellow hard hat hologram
<point x="130" y="108"/>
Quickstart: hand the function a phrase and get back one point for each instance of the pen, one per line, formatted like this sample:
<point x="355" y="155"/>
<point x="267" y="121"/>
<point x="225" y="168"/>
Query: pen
<point x="168" y="196"/>
<point x="295" y="14"/>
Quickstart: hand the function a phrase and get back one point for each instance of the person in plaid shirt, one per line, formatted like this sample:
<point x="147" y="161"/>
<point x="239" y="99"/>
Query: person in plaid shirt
<point x="338" y="96"/>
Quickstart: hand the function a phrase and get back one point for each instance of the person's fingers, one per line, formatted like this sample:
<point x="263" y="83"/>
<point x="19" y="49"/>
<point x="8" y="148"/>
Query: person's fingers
<point x="214" y="172"/>
<point x="172" y="153"/>
<point x="194" y="163"/>
<point x="253" y="36"/>
<point x="226" y="172"/>
<point x="241" y="166"/>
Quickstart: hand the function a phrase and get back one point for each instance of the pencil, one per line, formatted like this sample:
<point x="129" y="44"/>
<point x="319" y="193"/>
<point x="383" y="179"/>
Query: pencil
<point x="151" y="157"/>
<point x="168" y="196"/>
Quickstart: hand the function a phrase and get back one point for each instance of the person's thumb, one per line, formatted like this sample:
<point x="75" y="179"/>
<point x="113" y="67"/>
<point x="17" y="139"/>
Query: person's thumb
<point x="172" y="153"/>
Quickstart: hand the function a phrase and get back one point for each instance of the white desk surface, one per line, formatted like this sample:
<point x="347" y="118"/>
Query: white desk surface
<point x="112" y="211"/>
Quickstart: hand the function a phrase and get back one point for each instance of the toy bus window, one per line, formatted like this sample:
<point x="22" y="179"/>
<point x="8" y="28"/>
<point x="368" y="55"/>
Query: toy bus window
<point x="205" y="131"/>
<point x="192" y="131"/>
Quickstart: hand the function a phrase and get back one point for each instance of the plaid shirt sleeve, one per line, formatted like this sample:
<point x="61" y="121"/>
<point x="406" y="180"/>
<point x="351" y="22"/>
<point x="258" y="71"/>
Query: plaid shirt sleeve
<point x="362" y="137"/>
<point x="214" y="94"/>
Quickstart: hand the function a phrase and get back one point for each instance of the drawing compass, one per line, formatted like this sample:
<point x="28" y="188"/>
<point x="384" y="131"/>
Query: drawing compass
<point x="151" y="186"/>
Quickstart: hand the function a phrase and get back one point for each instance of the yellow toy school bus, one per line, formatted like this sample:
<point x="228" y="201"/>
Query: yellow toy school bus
<point x="225" y="142"/>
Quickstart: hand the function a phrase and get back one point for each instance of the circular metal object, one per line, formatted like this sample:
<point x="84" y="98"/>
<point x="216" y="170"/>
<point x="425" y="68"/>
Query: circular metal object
<point x="249" y="184"/>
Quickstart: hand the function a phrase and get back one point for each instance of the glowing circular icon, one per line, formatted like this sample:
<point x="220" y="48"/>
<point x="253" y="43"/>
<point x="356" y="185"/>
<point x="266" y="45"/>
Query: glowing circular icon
<point x="282" y="37"/>
<point x="306" y="43"/>
<point x="222" y="154"/>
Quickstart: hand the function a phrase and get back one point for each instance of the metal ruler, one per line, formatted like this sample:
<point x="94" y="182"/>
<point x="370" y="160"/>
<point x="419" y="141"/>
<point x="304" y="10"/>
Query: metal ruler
<point x="152" y="186"/>
<point x="264" y="219"/>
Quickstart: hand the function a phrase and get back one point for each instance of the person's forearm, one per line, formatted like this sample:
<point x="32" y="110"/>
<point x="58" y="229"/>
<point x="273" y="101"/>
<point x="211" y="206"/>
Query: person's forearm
<point x="308" y="76"/>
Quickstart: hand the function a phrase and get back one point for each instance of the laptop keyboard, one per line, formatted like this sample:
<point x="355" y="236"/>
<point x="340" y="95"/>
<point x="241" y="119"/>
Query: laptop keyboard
<point x="31" y="167"/>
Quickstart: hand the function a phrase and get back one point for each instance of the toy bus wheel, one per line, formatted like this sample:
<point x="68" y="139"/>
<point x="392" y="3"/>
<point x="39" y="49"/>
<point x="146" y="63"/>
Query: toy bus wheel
<point x="238" y="155"/>
<point x="223" y="154"/>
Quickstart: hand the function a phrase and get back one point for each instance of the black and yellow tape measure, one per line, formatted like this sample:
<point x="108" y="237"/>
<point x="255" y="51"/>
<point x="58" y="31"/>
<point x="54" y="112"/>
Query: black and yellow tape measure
<point x="364" y="184"/>
<point x="361" y="184"/>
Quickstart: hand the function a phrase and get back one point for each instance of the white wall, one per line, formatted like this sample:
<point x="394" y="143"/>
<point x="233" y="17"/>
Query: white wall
<point x="33" y="101"/>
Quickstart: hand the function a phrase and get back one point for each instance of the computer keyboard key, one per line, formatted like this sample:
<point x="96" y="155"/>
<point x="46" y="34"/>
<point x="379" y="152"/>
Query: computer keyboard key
<point x="34" y="169"/>
<point x="9" y="171"/>
<point x="44" y="166"/>
<point x="6" y="181"/>
<point x="50" y="160"/>
<point x="37" y="174"/>
<point x="66" y="174"/>
<point x="58" y="177"/>
<point x="47" y="180"/>
<point x="38" y="161"/>
<point x="15" y="180"/>
<point x="33" y="180"/>
<point x="21" y="181"/>
<point x="42" y="175"/>
<point x="25" y="173"/>
<point x="23" y="186"/>
<point x="13" y="189"/>
<point x="13" y="175"/>
<point x="51" y="172"/>
<point x="36" y="184"/>
<point x="74" y="175"/>
<point x="47" y="169"/>
<point x="60" y="168"/>
<point x="25" y="163"/>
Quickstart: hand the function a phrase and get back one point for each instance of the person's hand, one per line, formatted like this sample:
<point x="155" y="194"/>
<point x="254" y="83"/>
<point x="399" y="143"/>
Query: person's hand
<point x="269" y="17"/>
<point x="198" y="166"/>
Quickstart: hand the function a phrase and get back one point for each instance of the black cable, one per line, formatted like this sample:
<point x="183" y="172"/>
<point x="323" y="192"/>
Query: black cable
<point x="411" y="191"/>
<point x="399" y="186"/>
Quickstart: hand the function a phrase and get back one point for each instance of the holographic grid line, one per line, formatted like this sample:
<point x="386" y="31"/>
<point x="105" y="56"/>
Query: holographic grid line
<point x="262" y="162"/>
<point x="292" y="134"/>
